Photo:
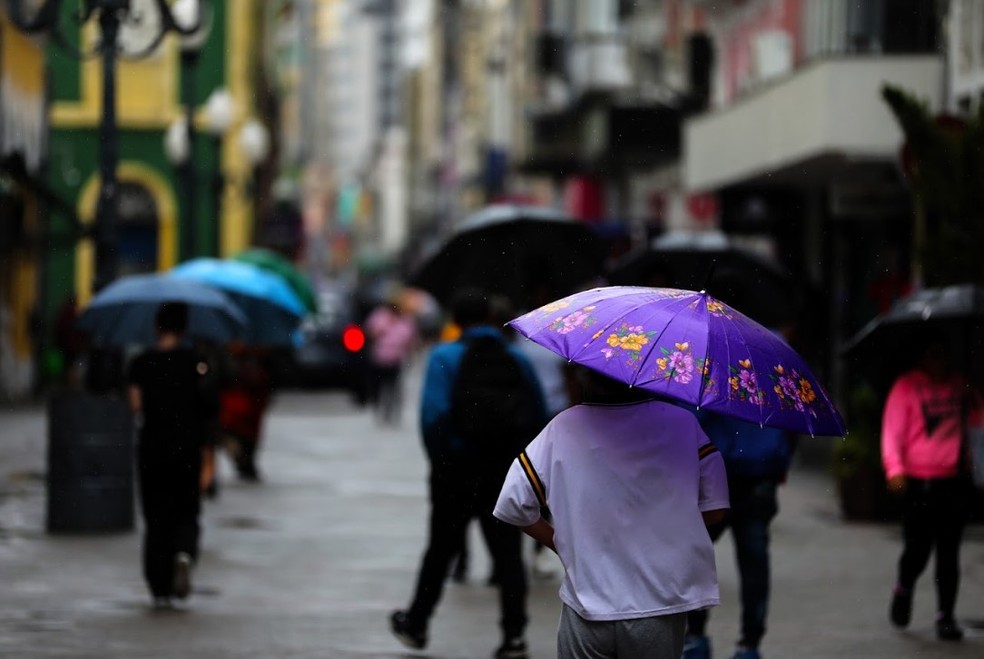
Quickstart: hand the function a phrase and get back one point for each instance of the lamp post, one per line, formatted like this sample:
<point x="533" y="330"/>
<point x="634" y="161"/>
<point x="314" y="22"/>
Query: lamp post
<point x="99" y="497"/>
<point x="219" y="114"/>
<point x="254" y="142"/>
<point x="111" y="16"/>
<point x="187" y="12"/>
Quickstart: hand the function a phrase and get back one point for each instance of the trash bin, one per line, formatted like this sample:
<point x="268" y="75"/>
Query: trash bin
<point x="90" y="463"/>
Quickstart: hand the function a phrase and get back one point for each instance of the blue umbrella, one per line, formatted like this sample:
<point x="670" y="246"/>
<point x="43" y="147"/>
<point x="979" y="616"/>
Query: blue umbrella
<point x="273" y="309"/>
<point x="123" y="312"/>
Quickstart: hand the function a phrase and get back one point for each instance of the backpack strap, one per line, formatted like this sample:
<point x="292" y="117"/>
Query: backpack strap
<point x="533" y="478"/>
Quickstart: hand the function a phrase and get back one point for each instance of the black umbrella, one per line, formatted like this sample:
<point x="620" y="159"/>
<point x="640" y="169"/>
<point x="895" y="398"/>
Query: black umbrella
<point x="529" y="254"/>
<point x="890" y="343"/>
<point x="758" y="287"/>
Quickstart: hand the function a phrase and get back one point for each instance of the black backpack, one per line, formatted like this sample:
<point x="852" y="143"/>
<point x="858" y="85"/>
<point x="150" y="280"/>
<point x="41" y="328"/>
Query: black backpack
<point x="493" y="406"/>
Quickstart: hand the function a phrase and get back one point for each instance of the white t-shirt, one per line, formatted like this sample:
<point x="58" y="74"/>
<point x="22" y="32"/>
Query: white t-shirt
<point x="626" y="485"/>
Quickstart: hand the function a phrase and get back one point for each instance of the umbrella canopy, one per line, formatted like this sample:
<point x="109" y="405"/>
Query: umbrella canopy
<point x="887" y="345"/>
<point x="279" y="265"/>
<point x="123" y="312"/>
<point x="272" y="308"/>
<point x="689" y="347"/>
<point x="759" y="287"/>
<point x="526" y="253"/>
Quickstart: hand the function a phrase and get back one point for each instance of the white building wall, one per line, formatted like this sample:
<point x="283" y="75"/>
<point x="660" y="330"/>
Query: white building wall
<point x="830" y="107"/>
<point x="351" y="94"/>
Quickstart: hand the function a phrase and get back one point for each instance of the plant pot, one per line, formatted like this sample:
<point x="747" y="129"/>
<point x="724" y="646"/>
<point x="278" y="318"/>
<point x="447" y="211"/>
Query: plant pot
<point x="863" y="496"/>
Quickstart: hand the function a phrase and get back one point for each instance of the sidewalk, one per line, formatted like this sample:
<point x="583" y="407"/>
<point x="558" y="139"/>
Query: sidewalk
<point x="310" y="562"/>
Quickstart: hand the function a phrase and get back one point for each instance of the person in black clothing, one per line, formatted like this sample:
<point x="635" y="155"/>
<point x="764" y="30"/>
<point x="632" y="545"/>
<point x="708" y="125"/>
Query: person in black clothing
<point x="470" y="441"/>
<point x="165" y="396"/>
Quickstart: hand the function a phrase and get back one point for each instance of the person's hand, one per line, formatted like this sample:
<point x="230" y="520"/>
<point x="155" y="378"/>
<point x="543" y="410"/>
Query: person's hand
<point x="896" y="484"/>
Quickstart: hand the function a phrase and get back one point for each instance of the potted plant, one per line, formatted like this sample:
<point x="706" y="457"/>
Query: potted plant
<point x="857" y="464"/>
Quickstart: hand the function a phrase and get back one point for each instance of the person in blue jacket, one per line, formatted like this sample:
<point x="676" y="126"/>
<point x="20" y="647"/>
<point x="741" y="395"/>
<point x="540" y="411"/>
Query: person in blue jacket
<point x="757" y="460"/>
<point x="468" y="465"/>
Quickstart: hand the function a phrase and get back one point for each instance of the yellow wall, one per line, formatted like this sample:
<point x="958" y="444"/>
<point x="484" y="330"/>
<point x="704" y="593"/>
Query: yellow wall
<point x="159" y="188"/>
<point x="146" y="90"/>
<point x="23" y="66"/>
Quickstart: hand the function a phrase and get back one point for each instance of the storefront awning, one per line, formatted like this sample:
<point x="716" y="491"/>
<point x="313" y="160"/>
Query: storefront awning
<point x="829" y="111"/>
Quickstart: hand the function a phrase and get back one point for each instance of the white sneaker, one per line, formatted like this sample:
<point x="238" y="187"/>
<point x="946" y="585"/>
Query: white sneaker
<point x="182" y="575"/>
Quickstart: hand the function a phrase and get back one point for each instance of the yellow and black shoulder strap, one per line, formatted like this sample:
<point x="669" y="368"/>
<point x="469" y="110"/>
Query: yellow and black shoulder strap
<point x="533" y="478"/>
<point x="706" y="450"/>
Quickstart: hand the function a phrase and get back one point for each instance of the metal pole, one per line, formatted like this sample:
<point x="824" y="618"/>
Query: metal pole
<point x="189" y="64"/>
<point x="218" y="189"/>
<point x="107" y="258"/>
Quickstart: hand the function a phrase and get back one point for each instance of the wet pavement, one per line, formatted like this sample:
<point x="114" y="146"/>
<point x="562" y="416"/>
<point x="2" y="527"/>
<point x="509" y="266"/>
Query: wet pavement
<point x="310" y="562"/>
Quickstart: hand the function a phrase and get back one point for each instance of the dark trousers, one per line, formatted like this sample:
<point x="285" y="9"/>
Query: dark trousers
<point x="386" y="392"/>
<point x="934" y="513"/>
<point x="459" y="494"/>
<point x="753" y="506"/>
<point x="170" y="502"/>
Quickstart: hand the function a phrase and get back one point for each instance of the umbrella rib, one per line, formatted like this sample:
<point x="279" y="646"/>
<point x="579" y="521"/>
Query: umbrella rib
<point x="738" y="336"/>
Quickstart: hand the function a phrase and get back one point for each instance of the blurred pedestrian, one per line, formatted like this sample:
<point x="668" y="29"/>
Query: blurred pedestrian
<point x="243" y="405"/>
<point x="924" y="456"/>
<point x="212" y="384"/>
<point x="757" y="460"/>
<point x="480" y="404"/>
<point x="632" y="482"/>
<point x="392" y="338"/>
<point x="71" y="342"/>
<point x="166" y="398"/>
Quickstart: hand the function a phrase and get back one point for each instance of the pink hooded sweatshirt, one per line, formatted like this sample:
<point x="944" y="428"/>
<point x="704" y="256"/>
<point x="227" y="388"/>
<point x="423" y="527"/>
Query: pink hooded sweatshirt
<point x="921" y="428"/>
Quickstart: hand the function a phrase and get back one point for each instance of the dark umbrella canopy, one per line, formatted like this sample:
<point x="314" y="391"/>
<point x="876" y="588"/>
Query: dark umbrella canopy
<point x="758" y="287"/>
<point x="123" y="313"/>
<point x="526" y="253"/>
<point x="890" y="343"/>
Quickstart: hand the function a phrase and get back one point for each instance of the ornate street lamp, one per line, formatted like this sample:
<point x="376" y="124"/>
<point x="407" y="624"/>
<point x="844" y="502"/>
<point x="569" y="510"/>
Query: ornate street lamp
<point x="188" y="12"/>
<point x="111" y="15"/>
<point x="218" y="114"/>
<point x="254" y="142"/>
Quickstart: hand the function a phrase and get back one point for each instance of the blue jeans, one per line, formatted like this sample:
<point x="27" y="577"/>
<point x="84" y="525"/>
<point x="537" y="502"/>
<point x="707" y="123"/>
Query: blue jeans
<point x="753" y="506"/>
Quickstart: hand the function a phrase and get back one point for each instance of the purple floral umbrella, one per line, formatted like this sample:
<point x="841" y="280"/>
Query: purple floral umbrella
<point x="690" y="347"/>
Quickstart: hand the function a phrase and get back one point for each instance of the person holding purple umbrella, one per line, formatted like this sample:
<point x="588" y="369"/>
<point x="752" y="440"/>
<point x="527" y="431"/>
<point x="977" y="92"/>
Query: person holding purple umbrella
<point x="631" y="483"/>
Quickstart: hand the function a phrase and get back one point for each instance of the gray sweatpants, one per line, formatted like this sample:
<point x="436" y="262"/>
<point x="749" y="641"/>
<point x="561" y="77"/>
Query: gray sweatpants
<point x="658" y="637"/>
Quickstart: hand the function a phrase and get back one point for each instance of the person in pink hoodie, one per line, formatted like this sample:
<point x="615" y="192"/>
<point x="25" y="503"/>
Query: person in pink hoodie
<point x="922" y="453"/>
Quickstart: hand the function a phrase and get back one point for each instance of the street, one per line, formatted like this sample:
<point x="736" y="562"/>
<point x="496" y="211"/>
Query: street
<point x="310" y="562"/>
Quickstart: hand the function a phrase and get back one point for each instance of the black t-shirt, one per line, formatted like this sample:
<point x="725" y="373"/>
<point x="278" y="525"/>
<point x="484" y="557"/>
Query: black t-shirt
<point x="171" y="393"/>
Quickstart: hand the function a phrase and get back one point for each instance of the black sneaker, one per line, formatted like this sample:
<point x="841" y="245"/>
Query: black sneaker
<point x="947" y="629"/>
<point x="512" y="648"/>
<point x="901" y="609"/>
<point x="182" y="575"/>
<point x="403" y="630"/>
